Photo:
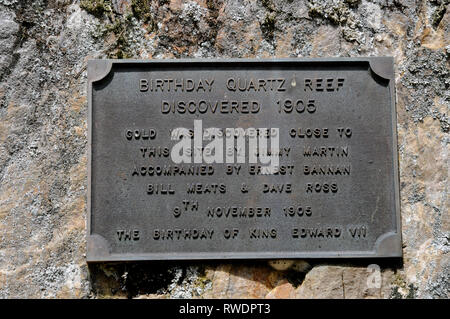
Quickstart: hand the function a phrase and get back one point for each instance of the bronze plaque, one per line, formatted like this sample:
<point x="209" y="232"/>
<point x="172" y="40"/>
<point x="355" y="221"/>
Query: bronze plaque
<point x="227" y="159"/>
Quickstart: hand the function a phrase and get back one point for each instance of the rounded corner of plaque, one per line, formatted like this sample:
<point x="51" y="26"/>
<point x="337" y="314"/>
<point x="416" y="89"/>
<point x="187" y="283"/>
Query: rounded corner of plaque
<point x="389" y="245"/>
<point x="97" y="248"/>
<point x="98" y="69"/>
<point x="382" y="67"/>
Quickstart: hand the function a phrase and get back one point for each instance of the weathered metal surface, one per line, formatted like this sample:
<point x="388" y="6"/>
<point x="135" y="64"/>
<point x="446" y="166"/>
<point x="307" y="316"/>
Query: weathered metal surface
<point x="335" y="192"/>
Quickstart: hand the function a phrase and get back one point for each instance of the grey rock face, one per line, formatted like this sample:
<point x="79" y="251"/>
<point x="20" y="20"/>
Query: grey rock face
<point x="9" y="31"/>
<point x="44" y="47"/>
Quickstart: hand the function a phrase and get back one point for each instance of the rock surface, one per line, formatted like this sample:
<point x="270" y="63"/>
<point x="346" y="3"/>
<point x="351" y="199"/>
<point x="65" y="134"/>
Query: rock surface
<point x="44" y="46"/>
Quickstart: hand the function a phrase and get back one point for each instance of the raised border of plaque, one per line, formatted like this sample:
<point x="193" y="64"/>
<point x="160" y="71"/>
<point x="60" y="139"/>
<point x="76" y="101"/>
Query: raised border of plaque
<point x="388" y="245"/>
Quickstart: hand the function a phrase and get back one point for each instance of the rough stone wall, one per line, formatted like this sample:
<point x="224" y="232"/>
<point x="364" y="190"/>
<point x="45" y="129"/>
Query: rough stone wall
<point x="44" y="47"/>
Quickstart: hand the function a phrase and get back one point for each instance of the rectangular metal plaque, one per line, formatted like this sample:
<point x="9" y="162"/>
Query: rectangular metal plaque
<point x="227" y="159"/>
